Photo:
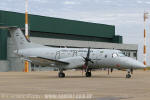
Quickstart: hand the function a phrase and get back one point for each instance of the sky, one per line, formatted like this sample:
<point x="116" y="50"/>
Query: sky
<point x="126" y="15"/>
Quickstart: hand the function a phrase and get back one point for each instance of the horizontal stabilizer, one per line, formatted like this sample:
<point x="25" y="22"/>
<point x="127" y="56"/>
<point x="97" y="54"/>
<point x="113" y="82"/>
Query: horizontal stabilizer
<point x="8" y="27"/>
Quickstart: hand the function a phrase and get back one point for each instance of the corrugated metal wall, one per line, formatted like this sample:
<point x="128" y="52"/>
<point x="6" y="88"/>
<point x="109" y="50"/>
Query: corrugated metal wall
<point x="56" y="25"/>
<point x="3" y="44"/>
<point x="3" y="40"/>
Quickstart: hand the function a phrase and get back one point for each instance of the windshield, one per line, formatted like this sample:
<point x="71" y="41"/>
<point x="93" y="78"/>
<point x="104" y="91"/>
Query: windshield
<point x="120" y="54"/>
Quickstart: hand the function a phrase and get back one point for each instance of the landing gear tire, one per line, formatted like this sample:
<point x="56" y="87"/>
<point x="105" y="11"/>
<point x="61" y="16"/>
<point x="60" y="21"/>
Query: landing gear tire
<point x="88" y="74"/>
<point x="128" y="76"/>
<point x="61" y="74"/>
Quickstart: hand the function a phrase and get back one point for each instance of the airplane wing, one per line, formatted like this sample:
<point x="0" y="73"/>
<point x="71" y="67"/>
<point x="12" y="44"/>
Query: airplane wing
<point x="67" y="63"/>
<point x="74" y="62"/>
<point x="46" y="62"/>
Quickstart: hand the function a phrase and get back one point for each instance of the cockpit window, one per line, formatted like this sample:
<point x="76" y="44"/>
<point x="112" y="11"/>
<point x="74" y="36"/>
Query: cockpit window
<point x="120" y="54"/>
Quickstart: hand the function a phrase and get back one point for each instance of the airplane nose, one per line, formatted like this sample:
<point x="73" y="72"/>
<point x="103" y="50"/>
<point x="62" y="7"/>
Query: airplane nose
<point x="137" y="64"/>
<point x="132" y="63"/>
<point x="140" y="65"/>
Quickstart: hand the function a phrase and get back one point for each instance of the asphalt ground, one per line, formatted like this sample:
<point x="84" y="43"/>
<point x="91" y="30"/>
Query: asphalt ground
<point x="47" y="86"/>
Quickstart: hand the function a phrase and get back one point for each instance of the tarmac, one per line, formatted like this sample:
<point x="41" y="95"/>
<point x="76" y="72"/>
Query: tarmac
<point x="47" y="86"/>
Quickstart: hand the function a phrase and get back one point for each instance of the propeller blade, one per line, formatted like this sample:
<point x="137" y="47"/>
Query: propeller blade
<point x="87" y="60"/>
<point x="88" y="53"/>
<point x="91" y="61"/>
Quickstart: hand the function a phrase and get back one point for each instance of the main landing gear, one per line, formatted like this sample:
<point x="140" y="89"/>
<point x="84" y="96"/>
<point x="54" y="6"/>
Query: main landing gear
<point x="61" y="74"/>
<point x="128" y="75"/>
<point x="88" y="73"/>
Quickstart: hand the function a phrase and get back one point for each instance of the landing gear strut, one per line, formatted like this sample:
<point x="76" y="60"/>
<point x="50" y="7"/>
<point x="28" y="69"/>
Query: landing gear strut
<point x="61" y="74"/>
<point x="88" y="73"/>
<point x="128" y="75"/>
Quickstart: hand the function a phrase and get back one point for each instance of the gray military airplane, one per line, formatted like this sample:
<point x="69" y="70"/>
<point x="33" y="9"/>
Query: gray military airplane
<point x="71" y="58"/>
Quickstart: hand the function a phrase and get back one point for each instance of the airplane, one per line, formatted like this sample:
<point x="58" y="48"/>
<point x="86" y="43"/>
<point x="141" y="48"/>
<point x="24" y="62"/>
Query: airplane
<point x="72" y="58"/>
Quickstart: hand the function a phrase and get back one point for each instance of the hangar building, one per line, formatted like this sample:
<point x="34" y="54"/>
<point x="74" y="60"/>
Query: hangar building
<point x="57" y="32"/>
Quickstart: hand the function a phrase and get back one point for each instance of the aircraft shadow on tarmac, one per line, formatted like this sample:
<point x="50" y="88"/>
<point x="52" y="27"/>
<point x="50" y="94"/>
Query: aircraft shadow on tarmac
<point x="85" y="77"/>
<point x="94" y="77"/>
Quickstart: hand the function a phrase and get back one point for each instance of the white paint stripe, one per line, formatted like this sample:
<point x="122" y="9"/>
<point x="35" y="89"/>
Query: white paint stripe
<point x="26" y="30"/>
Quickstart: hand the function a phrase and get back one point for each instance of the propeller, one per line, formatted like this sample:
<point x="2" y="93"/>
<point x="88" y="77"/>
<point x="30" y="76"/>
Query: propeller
<point x="87" y="60"/>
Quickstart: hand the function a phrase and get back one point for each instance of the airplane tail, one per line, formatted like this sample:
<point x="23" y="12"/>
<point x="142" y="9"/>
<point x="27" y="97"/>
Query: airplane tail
<point x="19" y="38"/>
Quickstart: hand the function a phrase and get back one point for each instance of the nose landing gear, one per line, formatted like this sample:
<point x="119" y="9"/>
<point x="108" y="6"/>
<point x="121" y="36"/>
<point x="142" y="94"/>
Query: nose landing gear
<point x="61" y="74"/>
<point x="128" y="75"/>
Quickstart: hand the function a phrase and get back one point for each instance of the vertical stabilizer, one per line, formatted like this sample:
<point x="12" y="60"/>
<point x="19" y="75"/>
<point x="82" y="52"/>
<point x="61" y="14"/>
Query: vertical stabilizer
<point x="19" y="38"/>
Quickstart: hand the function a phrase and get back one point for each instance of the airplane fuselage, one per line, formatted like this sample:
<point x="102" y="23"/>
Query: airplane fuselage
<point x="102" y="58"/>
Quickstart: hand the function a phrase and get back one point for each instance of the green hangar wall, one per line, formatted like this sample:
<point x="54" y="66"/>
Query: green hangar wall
<point x="41" y="26"/>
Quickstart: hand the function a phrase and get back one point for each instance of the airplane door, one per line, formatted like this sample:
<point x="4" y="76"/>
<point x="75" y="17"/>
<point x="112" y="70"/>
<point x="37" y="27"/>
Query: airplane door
<point x="102" y="55"/>
<point x="94" y="57"/>
<point x="101" y="58"/>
